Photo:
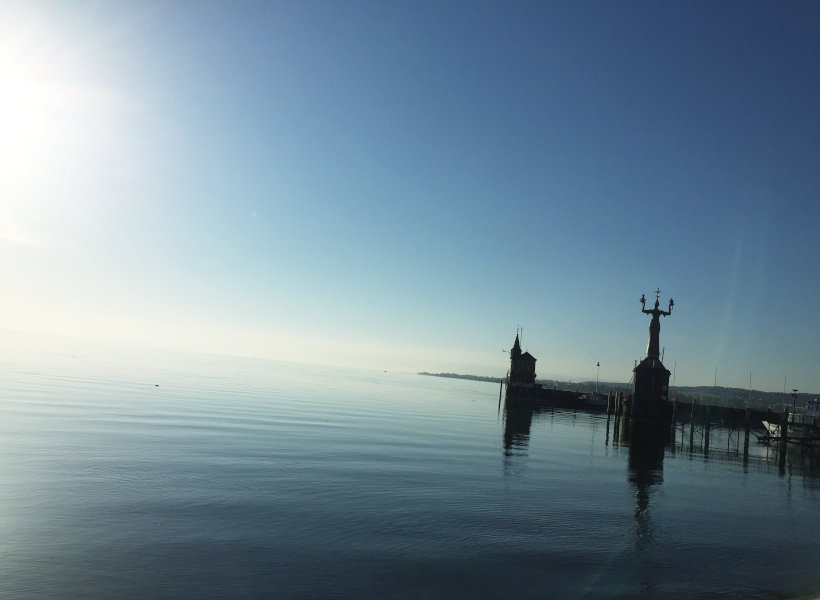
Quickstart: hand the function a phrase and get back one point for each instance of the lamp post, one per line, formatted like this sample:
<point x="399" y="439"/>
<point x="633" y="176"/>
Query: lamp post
<point x="794" y="400"/>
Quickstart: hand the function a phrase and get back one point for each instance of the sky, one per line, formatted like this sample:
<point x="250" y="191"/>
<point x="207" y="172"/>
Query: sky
<point x="404" y="185"/>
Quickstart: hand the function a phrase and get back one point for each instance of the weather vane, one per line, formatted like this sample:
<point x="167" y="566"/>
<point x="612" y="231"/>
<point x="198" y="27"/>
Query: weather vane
<point x="653" y="348"/>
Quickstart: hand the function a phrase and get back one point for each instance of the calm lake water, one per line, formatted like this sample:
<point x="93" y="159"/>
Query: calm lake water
<point x="202" y="477"/>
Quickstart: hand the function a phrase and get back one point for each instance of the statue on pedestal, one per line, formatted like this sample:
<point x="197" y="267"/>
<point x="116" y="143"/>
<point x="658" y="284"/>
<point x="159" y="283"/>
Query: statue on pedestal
<point x="653" y="348"/>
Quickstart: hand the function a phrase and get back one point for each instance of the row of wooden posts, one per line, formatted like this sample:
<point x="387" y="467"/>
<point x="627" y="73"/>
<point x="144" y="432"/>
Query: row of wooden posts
<point x="705" y="415"/>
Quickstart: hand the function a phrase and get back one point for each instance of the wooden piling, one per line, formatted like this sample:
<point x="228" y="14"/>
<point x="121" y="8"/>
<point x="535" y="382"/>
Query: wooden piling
<point x="784" y="440"/>
<point x="692" y="427"/>
<point x="674" y="426"/>
<point x="672" y="437"/>
<point x="784" y="427"/>
<point x="747" y="425"/>
<point x="707" y="430"/>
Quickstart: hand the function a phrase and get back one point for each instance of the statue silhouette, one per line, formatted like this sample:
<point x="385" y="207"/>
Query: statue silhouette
<point x="653" y="348"/>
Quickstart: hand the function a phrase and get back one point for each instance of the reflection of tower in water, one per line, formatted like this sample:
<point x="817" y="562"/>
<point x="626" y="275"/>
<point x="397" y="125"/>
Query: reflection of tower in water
<point x="517" y="424"/>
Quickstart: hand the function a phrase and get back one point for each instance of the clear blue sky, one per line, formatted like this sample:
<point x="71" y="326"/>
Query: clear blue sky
<point x="400" y="185"/>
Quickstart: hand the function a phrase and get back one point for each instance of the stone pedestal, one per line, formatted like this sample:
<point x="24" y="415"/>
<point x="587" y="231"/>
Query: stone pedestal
<point x="650" y="397"/>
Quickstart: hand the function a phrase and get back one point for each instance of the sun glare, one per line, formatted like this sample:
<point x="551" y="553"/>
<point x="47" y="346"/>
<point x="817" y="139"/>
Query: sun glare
<point x="44" y="107"/>
<point x="56" y="121"/>
<point x="28" y="107"/>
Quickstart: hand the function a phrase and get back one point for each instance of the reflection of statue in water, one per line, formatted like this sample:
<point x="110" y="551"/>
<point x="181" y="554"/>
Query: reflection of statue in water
<point x="645" y="471"/>
<point x="653" y="349"/>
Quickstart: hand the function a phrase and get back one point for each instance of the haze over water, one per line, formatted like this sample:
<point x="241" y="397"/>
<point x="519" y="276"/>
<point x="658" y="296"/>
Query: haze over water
<point x="206" y="477"/>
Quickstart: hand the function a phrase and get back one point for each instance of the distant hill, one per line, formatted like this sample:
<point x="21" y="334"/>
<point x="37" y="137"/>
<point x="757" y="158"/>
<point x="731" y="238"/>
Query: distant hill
<point x="723" y="396"/>
<point x="729" y="396"/>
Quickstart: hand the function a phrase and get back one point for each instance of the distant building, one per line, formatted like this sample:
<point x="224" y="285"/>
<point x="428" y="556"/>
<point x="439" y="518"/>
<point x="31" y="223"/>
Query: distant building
<point x="522" y="367"/>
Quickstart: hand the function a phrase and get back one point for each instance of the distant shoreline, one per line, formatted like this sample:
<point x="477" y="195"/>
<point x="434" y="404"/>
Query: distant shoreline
<point x="459" y="376"/>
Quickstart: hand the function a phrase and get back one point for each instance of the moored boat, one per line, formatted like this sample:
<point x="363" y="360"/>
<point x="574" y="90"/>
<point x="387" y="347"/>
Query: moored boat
<point x="804" y="424"/>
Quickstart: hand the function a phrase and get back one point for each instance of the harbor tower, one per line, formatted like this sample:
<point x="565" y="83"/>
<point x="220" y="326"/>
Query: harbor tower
<point x="522" y="369"/>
